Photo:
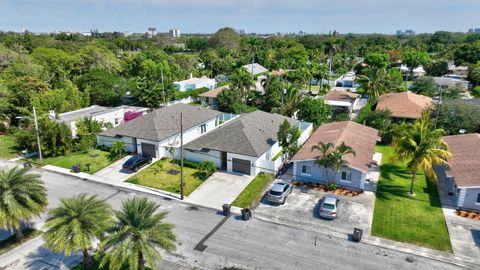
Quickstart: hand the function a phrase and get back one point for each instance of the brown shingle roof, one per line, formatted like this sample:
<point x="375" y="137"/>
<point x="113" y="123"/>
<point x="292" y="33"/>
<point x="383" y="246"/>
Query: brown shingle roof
<point x="465" y="162"/>
<point x="404" y="104"/>
<point x="280" y="72"/>
<point x="340" y="96"/>
<point x="214" y="92"/>
<point x="361" y="138"/>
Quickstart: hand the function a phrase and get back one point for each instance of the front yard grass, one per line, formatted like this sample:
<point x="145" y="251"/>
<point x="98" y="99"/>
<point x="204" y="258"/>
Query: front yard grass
<point x="254" y="191"/>
<point x="7" y="147"/>
<point x="11" y="242"/>
<point x="98" y="160"/>
<point x="416" y="220"/>
<point x="158" y="176"/>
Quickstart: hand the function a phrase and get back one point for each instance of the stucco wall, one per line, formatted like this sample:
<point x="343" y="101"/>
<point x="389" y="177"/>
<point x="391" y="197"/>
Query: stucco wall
<point x="468" y="198"/>
<point x="107" y="141"/>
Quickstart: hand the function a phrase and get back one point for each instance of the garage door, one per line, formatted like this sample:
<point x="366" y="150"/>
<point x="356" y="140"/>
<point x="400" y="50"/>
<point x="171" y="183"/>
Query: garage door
<point x="148" y="150"/>
<point x="241" y="166"/>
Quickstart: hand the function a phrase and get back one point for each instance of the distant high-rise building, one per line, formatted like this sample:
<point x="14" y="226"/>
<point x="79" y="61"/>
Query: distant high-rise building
<point x="152" y="31"/>
<point x="408" y="32"/>
<point x="474" y="30"/>
<point x="175" y="32"/>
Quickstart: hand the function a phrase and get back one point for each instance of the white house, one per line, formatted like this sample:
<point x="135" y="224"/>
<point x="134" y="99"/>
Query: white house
<point x="195" y="83"/>
<point x="112" y="115"/>
<point x="247" y="145"/>
<point x="154" y="133"/>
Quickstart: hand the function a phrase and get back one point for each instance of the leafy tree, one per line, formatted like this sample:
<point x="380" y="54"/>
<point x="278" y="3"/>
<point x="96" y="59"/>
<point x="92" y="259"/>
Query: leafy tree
<point x="58" y="62"/>
<point x="474" y="73"/>
<point x="76" y="224"/>
<point x="21" y="91"/>
<point x="296" y="56"/>
<point x="95" y="57"/>
<point x="314" y="111"/>
<point x="243" y="81"/>
<point x="377" y="60"/>
<point x="225" y="38"/>
<point x="137" y="235"/>
<point x="230" y="101"/>
<point x="453" y="91"/>
<point x="292" y="101"/>
<point x="475" y="92"/>
<point x="63" y="99"/>
<point x="118" y="148"/>
<point x="414" y="58"/>
<point x="467" y="54"/>
<point x="455" y="115"/>
<point x="87" y="129"/>
<point x="103" y="87"/>
<point x="373" y="83"/>
<point x="288" y="136"/>
<point x="22" y="197"/>
<point x="425" y="86"/>
<point x="421" y="147"/>
<point x="273" y="93"/>
<point x="437" y="68"/>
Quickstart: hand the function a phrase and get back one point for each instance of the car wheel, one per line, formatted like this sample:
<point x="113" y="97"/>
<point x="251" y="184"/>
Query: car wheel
<point x="284" y="200"/>
<point x="135" y="169"/>
<point x="149" y="161"/>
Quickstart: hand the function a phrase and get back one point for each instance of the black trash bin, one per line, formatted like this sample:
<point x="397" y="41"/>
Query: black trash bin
<point x="226" y="209"/>
<point x="357" y="234"/>
<point x="27" y="164"/>
<point x="76" y="168"/>
<point x="246" y="214"/>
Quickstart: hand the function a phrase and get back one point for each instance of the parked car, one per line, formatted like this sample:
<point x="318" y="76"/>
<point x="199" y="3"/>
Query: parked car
<point x="136" y="162"/>
<point x="329" y="207"/>
<point x="279" y="191"/>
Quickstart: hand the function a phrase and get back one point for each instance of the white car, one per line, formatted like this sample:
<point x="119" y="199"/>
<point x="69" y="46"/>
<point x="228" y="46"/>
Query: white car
<point x="279" y="191"/>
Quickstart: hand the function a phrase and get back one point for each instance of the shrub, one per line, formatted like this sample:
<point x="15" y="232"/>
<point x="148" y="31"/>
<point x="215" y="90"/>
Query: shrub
<point x="332" y="187"/>
<point x="206" y="168"/>
<point x="188" y="163"/>
<point x="342" y="117"/>
<point x="363" y="113"/>
<point x="476" y="91"/>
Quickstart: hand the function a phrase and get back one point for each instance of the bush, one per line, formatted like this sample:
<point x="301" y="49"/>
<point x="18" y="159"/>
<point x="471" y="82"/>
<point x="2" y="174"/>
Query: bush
<point x="342" y="117"/>
<point x="188" y="163"/>
<point x="3" y="128"/>
<point x="332" y="187"/>
<point x="363" y="113"/>
<point x="476" y="91"/>
<point x="206" y="168"/>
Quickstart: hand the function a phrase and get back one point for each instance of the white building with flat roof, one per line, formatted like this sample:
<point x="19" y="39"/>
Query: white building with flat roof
<point x="195" y="83"/>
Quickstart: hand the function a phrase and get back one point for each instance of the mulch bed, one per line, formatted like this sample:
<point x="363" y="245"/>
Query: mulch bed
<point x="323" y="188"/>
<point x="468" y="214"/>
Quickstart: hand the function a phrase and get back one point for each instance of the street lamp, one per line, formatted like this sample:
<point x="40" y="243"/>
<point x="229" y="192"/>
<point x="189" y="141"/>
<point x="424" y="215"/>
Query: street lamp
<point x="36" y="131"/>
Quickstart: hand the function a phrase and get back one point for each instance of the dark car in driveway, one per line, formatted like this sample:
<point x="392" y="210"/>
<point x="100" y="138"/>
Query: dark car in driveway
<point x="134" y="163"/>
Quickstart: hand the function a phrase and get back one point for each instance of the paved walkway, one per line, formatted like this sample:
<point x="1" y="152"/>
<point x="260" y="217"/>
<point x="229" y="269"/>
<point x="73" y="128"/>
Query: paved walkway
<point x="115" y="171"/>
<point x="218" y="189"/>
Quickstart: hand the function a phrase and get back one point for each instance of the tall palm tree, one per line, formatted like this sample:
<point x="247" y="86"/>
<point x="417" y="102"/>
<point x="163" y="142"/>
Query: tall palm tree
<point x="75" y="224"/>
<point x="332" y="157"/>
<point x="292" y="100"/>
<point x="421" y="147"/>
<point x="337" y="161"/>
<point x="243" y="80"/>
<point x="373" y="83"/>
<point x="136" y="235"/>
<point x="324" y="158"/>
<point x="22" y="197"/>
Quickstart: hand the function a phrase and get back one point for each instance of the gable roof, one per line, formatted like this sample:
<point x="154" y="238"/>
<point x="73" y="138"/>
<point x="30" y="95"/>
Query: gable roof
<point x="404" y="104"/>
<point x="337" y="95"/>
<point x="214" y="92"/>
<point x="163" y="123"/>
<point x="361" y="138"/>
<point x="257" y="68"/>
<point x="465" y="162"/>
<point x="251" y="134"/>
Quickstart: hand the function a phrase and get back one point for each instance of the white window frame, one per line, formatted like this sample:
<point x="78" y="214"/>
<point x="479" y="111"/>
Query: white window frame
<point x="307" y="168"/>
<point x="203" y="128"/>
<point x="477" y="202"/>
<point x="348" y="173"/>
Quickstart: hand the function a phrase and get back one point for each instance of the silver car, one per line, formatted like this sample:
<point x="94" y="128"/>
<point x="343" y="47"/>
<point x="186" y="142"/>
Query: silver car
<point x="329" y="207"/>
<point x="279" y="192"/>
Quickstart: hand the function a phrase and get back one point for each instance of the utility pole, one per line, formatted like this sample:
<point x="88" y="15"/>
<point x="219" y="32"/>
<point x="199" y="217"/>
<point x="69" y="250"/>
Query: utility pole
<point x="438" y="106"/>
<point x="38" y="135"/>
<point x="163" y="87"/>
<point x="181" y="156"/>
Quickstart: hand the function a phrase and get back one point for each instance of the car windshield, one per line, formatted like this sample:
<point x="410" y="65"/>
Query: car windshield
<point x="328" y="206"/>
<point x="275" y="193"/>
<point x="132" y="160"/>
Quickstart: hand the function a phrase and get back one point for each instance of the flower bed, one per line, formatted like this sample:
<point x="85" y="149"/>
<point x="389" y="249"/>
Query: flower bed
<point x="333" y="189"/>
<point x="468" y="214"/>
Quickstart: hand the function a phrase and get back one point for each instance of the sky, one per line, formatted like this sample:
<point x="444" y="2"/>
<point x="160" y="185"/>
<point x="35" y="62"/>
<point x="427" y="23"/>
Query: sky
<point x="260" y="16"/>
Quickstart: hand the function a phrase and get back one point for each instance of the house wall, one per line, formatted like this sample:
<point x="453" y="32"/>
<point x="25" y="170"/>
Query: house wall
<point x="317" y="175"/>
<point x="211" y="155"/>
<point x="210" y="101"/>
<point x="107" y="141"/>
<point x="210" y="84"/>
<point x="468" y="198"/>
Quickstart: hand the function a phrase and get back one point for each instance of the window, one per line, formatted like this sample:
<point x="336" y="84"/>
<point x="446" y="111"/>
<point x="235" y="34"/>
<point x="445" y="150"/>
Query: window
<point x="306" y="169"/>
<point x="346" y="176"/>
<point x="203" y="128"/>
<point x="116" y="121"/>
<point x="207" y="100"/>
<point x="478" y="198"/>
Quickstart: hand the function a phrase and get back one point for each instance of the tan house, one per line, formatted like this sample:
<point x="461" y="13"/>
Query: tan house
<point x="404" y="105"/>
<point x="210" y="97"/>
<point x="341" y="101"/>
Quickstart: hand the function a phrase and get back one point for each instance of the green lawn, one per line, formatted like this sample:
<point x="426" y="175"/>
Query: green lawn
<point x="254" y="191"/>
<point x="11" y="242"/>
<point x="97" y="158"/>
<point x="417" y="220"/>
<point x="157" y="176"/>
<point x="7" y="150"/>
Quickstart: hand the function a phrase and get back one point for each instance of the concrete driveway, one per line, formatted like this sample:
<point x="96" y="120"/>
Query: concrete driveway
<point x="302" y="207"/>
<point x="114" y="172"/>
<point x="218" y="189"/>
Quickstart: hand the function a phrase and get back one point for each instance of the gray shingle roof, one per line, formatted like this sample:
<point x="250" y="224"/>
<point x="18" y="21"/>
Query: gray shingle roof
<point x="163" y="123"/>
<point x="250" y="134"/>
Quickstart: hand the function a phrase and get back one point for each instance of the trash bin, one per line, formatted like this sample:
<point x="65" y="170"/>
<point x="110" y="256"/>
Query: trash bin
<point x="27" y="164"/>
<point x="76" y="168"/>
<point x="226" y="209"/>
<point x="246" y="214"/>
<point x="357" y="234"/>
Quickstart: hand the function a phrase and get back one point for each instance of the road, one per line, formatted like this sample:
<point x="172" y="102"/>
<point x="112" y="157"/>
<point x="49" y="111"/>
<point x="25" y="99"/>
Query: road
<point x="255" y="244"/>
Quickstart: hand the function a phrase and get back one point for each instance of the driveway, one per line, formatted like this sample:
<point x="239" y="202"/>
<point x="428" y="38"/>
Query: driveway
<point x="302" y="207"/>
<point x="114" y="172"/>
<point x="464" y="232"/>
<point x="218" y="189"/>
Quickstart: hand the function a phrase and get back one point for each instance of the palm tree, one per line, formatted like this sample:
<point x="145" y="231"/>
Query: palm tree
<point x="22" y="197"/>
<point x="243" y="80"/>
<point x="332" y="157"/>
<point x="136" y="235"/>
<point x="336" y="158"/>
<point x="88" y="128"/>
<point x="373" y="83"/>
<point x="292" y="100"/>
<point x="75" y="224"/>
<point x="324" y="159"/>
<point x="421" y="147"/>
<point x="118" y="148"/>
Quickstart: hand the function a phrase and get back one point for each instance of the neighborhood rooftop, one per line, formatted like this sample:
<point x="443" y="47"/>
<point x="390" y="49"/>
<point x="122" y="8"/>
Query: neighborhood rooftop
<point x="94" y="111"/>
<point x="404" y="104"/>
<point x="361" y="138"/>
<point x="338" y="95"/>
<point x="465" y="162"/>
<point x="195" y="80"/>
<point x="250" y="134"/>
<point x="214" y="92"/>
<point x="163" y="123"/>
<point x="255" y="68"/>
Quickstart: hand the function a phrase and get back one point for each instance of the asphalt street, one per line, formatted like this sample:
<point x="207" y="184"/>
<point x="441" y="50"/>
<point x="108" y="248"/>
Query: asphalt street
<point x="253" y="244"/>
